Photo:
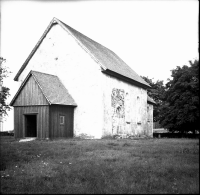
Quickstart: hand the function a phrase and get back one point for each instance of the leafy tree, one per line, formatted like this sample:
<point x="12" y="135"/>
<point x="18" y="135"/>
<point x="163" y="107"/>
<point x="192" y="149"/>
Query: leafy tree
<point x="4" y="91"/>
<point x="156" y="93"/>
<point x="180" y="111"/>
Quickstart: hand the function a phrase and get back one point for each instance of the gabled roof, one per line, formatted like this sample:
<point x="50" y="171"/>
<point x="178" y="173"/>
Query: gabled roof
<point x="150" y="100"/>
<point x="107" y="59"/>
<point x="51" y="87"/>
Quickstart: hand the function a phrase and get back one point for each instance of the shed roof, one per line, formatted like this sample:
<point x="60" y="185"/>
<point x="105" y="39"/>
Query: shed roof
<point x="106" y="58"/>
<point x="51" y="87"/>
<point x="150" y="100"/>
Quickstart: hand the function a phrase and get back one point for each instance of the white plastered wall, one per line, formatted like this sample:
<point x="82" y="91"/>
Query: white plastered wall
<point x="150" y="119"/>
<point x="135" y="108"/>
<point x="59" y="54"/>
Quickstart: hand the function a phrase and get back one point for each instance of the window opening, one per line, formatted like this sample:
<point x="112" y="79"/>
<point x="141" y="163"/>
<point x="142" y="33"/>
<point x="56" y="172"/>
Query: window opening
<point x="62" y="120"/>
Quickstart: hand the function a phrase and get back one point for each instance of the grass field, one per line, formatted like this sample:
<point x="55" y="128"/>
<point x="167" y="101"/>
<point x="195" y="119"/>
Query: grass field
<point x="100" y="166"/>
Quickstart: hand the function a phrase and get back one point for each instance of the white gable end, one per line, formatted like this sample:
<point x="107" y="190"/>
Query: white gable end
<point x="60" y="54"/>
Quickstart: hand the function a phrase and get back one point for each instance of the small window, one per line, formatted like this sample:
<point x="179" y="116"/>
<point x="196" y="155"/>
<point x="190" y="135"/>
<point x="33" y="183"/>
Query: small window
<point x="62" y="120"/>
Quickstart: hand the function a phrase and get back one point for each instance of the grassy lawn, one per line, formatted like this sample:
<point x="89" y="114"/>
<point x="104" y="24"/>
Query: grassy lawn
<point x="100" y="166"/>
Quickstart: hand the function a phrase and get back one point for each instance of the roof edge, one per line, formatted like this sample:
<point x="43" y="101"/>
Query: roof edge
<point x="151" y="101"/>
<point x="40" y="86"/>
<point x="128" y="80"/>
<point x="84" y="48"/>
<point x="75" y="104"/>
<point x="53" y="104"/>
<point x="22" y="85"/>
<point x="53" y="21"/>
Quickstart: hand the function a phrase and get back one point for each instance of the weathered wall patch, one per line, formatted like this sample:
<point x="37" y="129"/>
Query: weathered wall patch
<point x="118" y="111"/>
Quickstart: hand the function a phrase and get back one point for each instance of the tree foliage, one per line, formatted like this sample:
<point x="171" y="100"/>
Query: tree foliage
<point x="180" y="110"/>
<point x="4" y="91"/>
<point x="156" y="93"/>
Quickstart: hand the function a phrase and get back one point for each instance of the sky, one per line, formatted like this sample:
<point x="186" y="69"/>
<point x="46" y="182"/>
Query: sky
<point x="152" y="37"/>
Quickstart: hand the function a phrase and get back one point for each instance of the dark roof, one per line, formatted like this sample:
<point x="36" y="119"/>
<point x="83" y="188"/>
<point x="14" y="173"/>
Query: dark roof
<point x="51" y="87"/>
<point x="150" y="100"/>
<point x="106" y="58"/>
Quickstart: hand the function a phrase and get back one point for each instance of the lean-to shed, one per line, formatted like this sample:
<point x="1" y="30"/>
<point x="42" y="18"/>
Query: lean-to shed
<point x="43" y="108"/>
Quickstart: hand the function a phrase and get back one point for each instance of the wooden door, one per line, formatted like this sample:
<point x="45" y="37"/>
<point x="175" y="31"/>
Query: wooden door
<point x="62" y="125"/>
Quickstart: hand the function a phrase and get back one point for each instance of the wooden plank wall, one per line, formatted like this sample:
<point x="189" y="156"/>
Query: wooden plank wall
<point x="30" y="94"/>
<point x="42" y="120"/>
<point x="55" y="129"/>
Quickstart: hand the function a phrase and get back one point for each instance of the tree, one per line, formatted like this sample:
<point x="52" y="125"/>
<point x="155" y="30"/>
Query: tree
<point x="4" y="91"/>
<point x="156" y="93"/>
<point x="180" y="112"/>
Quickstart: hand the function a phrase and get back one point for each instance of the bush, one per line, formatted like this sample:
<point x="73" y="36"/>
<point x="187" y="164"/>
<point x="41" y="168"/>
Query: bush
<point x="6" y="133"/>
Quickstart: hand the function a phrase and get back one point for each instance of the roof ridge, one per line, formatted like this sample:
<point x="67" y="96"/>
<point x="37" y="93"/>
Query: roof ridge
<point x="34" y="49"/>
<point x="81" y="34"/>
<point x="23" y="84"/>
<point x="79" y="42"/>
<point x="43" y="81"/>
<point x="106" y="58"/>
<point x="47" y="89"/>
<point x="87" y="38"/>
<point x="36" y="80"/>
<point x="96" y="59"/>
<point x="44" y="73"/>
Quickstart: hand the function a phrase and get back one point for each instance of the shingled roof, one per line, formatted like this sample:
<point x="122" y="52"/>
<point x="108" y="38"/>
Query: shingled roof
<point x="107" y="59"/>
<point x="51" y="87"/>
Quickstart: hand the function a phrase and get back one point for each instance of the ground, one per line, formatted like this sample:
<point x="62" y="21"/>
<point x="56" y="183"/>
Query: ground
<point x="100" y="166"/>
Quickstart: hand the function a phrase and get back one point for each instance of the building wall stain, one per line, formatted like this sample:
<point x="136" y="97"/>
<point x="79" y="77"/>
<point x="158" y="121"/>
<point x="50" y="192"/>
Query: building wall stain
<point x="118" y="111"/>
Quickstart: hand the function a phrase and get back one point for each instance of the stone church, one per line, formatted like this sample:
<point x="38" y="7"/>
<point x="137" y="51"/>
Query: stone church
<point x="72" y="86"/>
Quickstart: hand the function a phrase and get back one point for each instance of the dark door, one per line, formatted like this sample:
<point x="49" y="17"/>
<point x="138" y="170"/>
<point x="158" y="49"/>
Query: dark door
<point x="31" y="125"/>
<point x="66" y="125"/>
<point x="62" y="126"/>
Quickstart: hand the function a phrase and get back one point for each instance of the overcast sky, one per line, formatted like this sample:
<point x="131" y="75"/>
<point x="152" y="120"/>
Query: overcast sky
<point x="152" y="37"/>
